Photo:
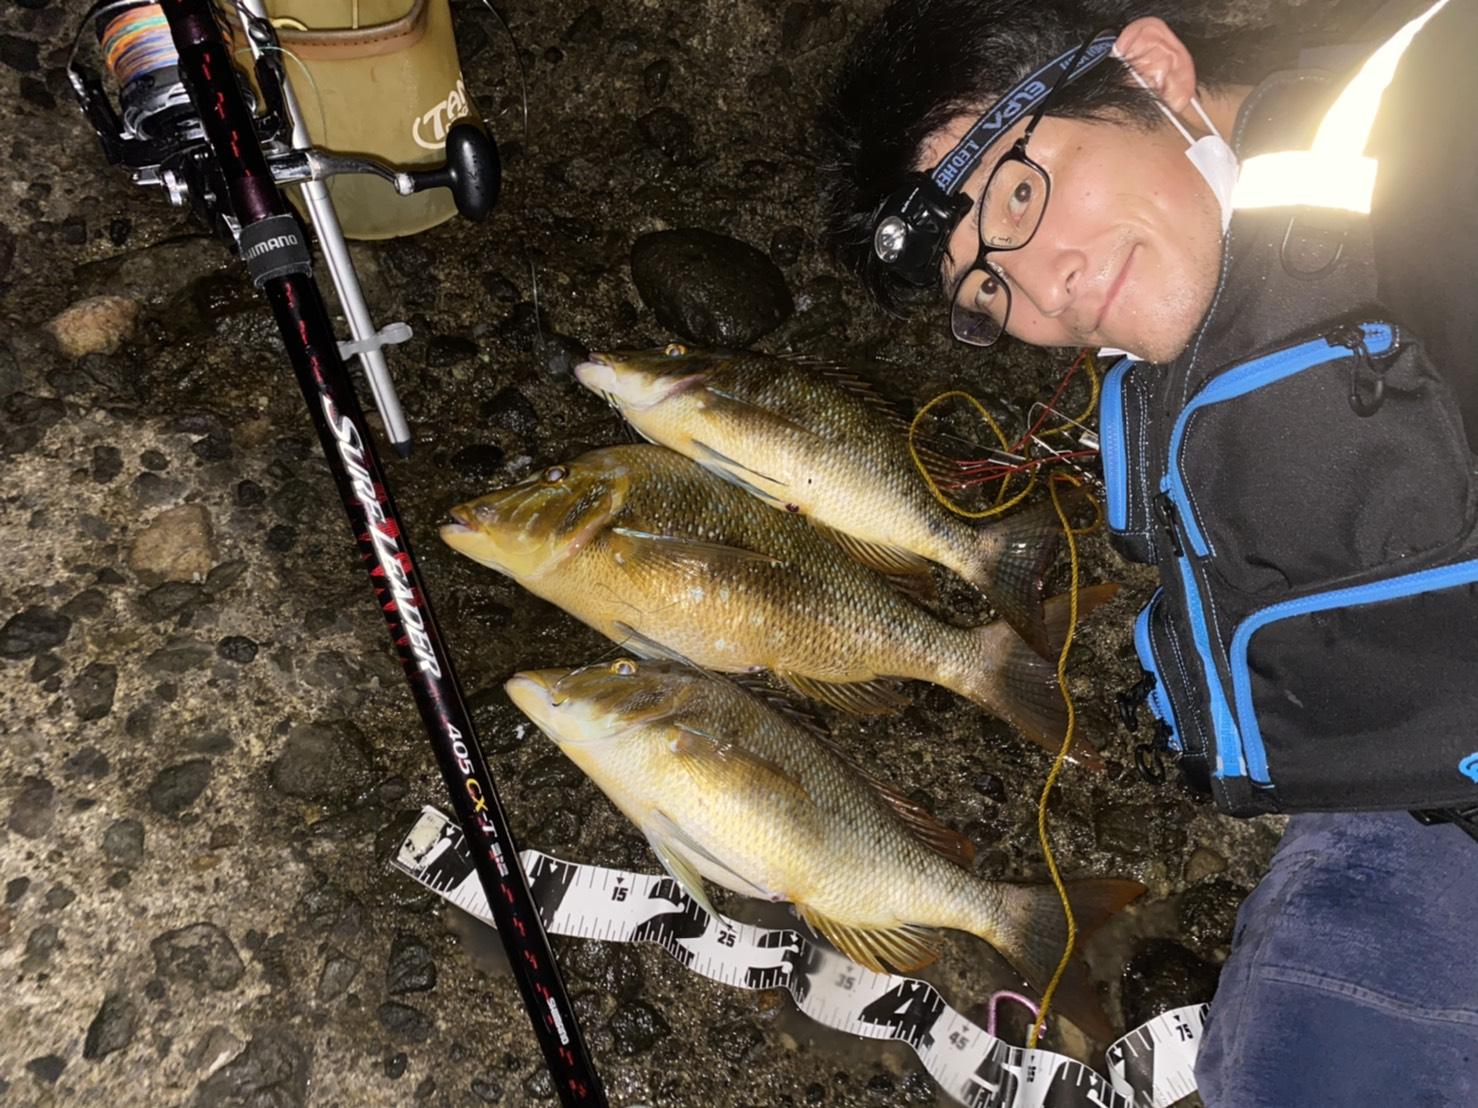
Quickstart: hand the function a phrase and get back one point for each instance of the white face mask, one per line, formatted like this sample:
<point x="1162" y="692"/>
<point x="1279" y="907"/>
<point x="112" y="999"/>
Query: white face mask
<point x="1210" y="154"/>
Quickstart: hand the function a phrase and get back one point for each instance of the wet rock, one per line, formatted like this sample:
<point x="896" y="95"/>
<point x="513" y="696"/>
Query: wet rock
<point x="551" y="771"/>
<point x="44" y="666"/>
<point x="637" y="1027"/>
<point x="198" y="953"/>
<point x="1203" y="862"/>
<point x="404" y="1023"/>
<point x="425" y="1088"/>
<point x="249" y="494"/>
<point x="33" y="630"/>
<point x="87" y="604"/>
<point x="214" y="1048"/>
<point x="224" y="576"/>
<point x="709" y="288"/>
<point x="171" y="598"/>
<point x="449" y="350"/>
<point x="787" y="244"/>
<point x="1208" y="913"/>
<point x="511" y="410"/>
<point x="123" y="842"/>
<point x="93" y="689"/>
<point x="323" y="761"/>
<point x="655" y="78"/>
<point x="1161" y="975"/>
<point x="411" y="968"/>
<point x="112" y="1028"/>
<point x="807" y="26"/>
<point x="177" y="546"/>
<point x="669" y="131"/>
<point x="1125" y="830"/>
<point x="487" y="1090"/>
<point x="48" y="1067"/>
<point x="562" y="354"/>
<point x="237" y="648"/>
<point x="281" y="538"/>
<point x="178" y="656"/>
<point x="500" y="287"/>
<point x="272" y="1072"/>
<point x="176" y="787"/>
<point x="107" y="463"/>
<point x="88" y="762"/>
<point x="478" y="462"/>
<point x="338" y="973"/>
<point x="395" y="1065"/>
<point x="98" y="325"/>
<point x="33" y="809"/>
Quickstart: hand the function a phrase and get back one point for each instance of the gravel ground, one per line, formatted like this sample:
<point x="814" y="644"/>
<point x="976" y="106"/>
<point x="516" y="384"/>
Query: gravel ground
<point x="209" y="754"/>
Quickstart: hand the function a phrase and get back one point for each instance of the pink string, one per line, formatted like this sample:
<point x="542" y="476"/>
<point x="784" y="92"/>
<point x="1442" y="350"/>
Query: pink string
<point x="1006" y="994"/>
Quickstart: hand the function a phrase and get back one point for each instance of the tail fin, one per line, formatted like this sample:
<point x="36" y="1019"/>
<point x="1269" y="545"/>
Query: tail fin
<point x="1020" y="686"/>
<point x="1034" y="932"/>
<point x="1010" y="559"/>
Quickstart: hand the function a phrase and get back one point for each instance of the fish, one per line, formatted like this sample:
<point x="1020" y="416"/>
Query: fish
<point x="806" y="437"/>
<point x="661" y="556"/>
<point x="739" y="790"/>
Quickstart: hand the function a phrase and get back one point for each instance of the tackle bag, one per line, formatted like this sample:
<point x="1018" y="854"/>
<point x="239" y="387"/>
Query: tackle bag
<point x="1314" y="644"/>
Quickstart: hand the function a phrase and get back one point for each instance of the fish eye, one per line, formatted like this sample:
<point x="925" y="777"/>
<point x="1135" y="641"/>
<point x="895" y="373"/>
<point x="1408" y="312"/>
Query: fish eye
<point x="624" y="668"/>
<point x="674" y="350"/>
<point x="555" y="474"/>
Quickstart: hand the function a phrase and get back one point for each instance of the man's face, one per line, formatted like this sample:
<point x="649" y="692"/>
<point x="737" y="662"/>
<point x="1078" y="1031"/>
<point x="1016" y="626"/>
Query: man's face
<point x="1129" y="249"/>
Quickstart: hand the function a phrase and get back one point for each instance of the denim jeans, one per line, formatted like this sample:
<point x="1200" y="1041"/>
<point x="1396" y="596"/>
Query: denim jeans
<point x="1353" y="976"/>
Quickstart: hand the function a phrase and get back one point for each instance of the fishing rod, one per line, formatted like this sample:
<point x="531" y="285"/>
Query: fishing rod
<point x="188" y="125"/>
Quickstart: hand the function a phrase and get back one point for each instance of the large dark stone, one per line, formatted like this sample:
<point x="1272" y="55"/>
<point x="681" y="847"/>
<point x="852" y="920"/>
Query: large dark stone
<point x="34" y="808"/>
<point x="1163" y="975"/>
<point x="272" y="1072"/>
<point x="323" y="761"/>
<point x="637" y="1027"/>
<point x="201" y="952"/>
<point x="92" y="691"/>
<point x="710" y="288"/>
<point x="1208" y="913"/>
<point x="411" y="969"/>
<point x="123" y="842"/>
<point x="404" y="1023"/>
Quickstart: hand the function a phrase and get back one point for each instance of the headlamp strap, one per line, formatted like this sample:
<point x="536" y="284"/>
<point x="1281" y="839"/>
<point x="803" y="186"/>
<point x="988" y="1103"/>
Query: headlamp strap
<point x="957" y="165"/>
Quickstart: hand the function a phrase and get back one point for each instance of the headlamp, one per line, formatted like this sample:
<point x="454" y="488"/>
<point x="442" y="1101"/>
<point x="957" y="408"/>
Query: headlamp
<point x="912" y="226"/>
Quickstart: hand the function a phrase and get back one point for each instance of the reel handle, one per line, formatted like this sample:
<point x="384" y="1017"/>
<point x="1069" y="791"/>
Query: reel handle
<point x="473" y="171"/>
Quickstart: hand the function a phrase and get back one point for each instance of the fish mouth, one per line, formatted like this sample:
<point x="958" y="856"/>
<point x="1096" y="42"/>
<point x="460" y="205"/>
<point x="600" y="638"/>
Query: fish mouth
<point x="597" y="374"/>
<point x="533" y="692"/>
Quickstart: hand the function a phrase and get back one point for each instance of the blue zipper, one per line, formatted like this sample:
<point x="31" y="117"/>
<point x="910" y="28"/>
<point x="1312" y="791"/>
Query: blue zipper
<point x="1159" y="697"/>
<point x="1112" y="449"/>
<point x="1245" y="378"/>
<point x="1223" y="724"/>
<point x="1391" y="588"/>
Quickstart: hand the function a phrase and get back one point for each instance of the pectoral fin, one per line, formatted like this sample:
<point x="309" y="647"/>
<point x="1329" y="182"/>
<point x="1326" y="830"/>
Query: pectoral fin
<point x="676" y="849"/>
<point x="719" y="764"/>
<point x="889" y="950"/>
<point x="645" y="550"/>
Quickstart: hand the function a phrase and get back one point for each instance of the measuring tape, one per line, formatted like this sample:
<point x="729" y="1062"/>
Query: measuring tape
<point x="1151" y="1067"/>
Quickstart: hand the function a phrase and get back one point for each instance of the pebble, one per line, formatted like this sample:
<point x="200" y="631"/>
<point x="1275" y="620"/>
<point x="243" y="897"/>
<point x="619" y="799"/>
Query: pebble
<point x="200" y="952"/>
<point x="669" y="131"/>
<point x="487" y="1090"/>
<point x="93" y="689"/>
<point x="807" y="26"/>
<point x="586" y="27"/>
<point x="224" y="576"/>
<point x="178" y="656"/>
<point x="323" y="761"/>
<point x="97" y="325"/>
<point x="16" y="888"/>
<point x="338" y="973"/>
<point x="1203" y="862"/>
<point x="33" y="809"/>
<point x="562" y="354"/>
<point x="41" y="944"/>
<point x="395" y="1065"/>
<point x="709" y="288"/>
<point x="655" y="78"/>
<point x="410" y="968"/>
<point x="637" y="1027"/>
<point x="404" y="1023"/>
<point x="788" y="244"/>
<point x="171" y="598"/>
<point x="87" y="604"/>
<point x="551" y="771"/>
<point x="238" y="649"/>
<point x="177" y="546"/>
<point x="89" y="761"/>
<point x="48" y="1067"/>
<point x="112" y="1028"/>
<point x="214" y="1048"/>
<point x="272" y="1072"/>
<point x="107" y="463"/>
<point x="33" y="630"/>
<point x="176" y="787"/>
<point x="44" y="666"/>
<point x="123" y="842"/>
<point x="1161" y="975"/>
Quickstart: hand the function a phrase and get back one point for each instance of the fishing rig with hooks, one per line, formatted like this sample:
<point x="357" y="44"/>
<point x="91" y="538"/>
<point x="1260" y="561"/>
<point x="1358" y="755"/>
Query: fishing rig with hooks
<point x="189" y="121"/>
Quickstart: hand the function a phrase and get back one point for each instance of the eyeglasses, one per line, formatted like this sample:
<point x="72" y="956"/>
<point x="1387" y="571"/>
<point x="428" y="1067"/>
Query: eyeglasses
<point x="1008" y="214"/>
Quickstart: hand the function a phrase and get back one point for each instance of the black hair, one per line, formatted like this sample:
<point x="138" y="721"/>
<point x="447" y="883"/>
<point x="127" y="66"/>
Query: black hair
<point x="921" y="64"/>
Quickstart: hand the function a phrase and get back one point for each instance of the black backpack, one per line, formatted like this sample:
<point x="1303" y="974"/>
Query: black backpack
<point x="1311" y="509"/>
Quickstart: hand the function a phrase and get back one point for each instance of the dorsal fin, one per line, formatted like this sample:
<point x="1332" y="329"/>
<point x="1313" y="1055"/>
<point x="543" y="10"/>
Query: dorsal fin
<point x="847" y="380"/>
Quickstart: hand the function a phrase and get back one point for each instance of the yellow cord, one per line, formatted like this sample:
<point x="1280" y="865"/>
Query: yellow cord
<point x="1070" y="534"/>
<point x="1056" y="771"/>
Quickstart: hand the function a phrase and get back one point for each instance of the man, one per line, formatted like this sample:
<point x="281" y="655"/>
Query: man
<point x="1071" y="187"/>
